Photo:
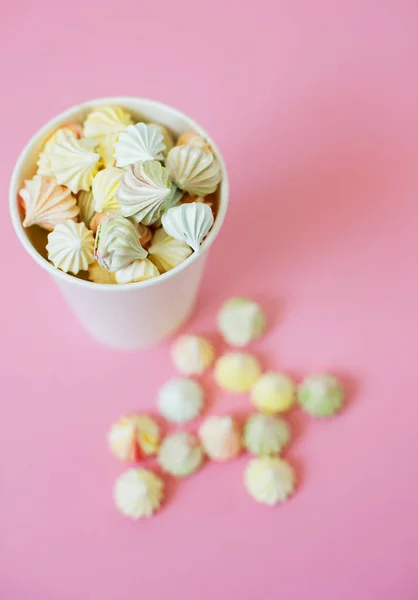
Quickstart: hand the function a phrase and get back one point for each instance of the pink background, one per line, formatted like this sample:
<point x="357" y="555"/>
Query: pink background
<point x="315" y="108"/>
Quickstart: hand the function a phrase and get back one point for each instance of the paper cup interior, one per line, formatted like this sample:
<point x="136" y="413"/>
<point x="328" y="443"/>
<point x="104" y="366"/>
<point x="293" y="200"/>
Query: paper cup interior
<point x="34" y="238"/>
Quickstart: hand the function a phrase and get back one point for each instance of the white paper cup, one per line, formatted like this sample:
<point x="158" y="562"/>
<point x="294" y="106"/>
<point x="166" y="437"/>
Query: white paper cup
<point x="133" y="315"/>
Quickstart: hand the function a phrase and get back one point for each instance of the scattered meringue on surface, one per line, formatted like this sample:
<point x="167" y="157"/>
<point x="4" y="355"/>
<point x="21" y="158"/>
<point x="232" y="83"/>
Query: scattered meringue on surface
<point x="134" y="437"/>
<point x="220" y="437"/>
<point x="273" y="393"/>
<point x="117" y="243"/>
<point x="237" y="372"/>
<point x="100" y="275"/>
<point x="180" y="400"/>
<point x="70" y="247"/>
<point x="74" y="162"/>
<point x="139" y="270"/>
<point x="192" y="354"/>
<point x="139" y="143"/>
<point x="138" y="493"/>
<point x="47" y="204"/>
<point x="321" y="395"/>
<point x="241" y="321"/>
<point x="193" y="170"/>
<point x="104" y="187"/>
<point x="265" y="434"/>
<point x="180" y="454"/>
<point x="269" y="480"/>
<point x="189" y="223"/>
<point x="166" y="252"/>
<point x="106" y="120"/>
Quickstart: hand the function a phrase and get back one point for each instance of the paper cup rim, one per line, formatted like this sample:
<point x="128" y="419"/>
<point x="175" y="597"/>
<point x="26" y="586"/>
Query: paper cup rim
<point x="55" y="122"/>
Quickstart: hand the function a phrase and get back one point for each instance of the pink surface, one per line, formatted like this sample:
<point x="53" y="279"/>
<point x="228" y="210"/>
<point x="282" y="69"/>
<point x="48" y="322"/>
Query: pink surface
<point x="314" y="105"/>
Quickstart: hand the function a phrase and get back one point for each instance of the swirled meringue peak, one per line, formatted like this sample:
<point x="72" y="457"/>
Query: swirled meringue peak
<point x="139" y="270"/>
<point x="70" y="247"/>
<point x="105" y="185"/>
<point x="189" y="223"/>
<point x="47" y="204"/>
<point x="139" y="143"/>
<point x="166" y="252"/>
<point x="117" y="243"/>
<point x="67" y="131"/>
<point x="144" y="191"/>
<point x="193" y="169"/>
<point x="105" y="120"/>
<point x="73" y="162"/>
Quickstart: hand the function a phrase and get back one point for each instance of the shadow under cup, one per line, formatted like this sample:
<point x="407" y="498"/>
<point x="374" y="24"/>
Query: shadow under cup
<point x="134" y="315"/>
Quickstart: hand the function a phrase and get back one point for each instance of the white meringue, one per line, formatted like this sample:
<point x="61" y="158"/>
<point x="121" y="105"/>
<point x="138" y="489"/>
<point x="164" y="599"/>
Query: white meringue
<point x="168" y="138"/>
<point x="193" y="170"/>
<point x="105" y="185"/>
<point x="192" y="354"/>
<point x="265" y="434"/>
<point x="269" y="480"/>
<point x="166" y="252"/>
<point x="180" y="400"/>
<point x="237" y="372"/>
<point x="180" y="454"/>
<point x="100" y="275"/>
<point x="47" y="204"/>
<point x="70" y="247"/>
<point x="139" y="143"/>
<point x="241" y="321"/>
<point x="143" y="191"/>
<point x="106" y="120"/>
<point x="221" y="438"/>
<point x="139" y="270"/>
<point x="189" y="223"/>
<point x="138" y="493"/>
<point x="117" y="243"/>
<point x="85" y="203"/>
<point x="74" y="162"/>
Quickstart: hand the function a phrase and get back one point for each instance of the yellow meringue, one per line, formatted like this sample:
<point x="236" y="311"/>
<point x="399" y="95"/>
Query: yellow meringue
<point x="139" y="270"/>
<point x="105" y="185"/>
<point x="265" y="434"/>
<point x="193" y="170"/>
<point x="68" y="131"/>
<point x="134" y="437"/>
<point x="237" y="372"/>
<point x="180" y="454"/>
<point x="269" y="480"/>
<point x="192" y="138"/>
<point x="70" y="247"/>
<point x="106" y="120"/>
<point x="74" y="162"/>
<point x="166" y="252"/>
<point x="273" y="393"/>
<point x="220" y="437"/>
<point x="47" y="204"/>
<point x="100" y="275"/>
<point x="138" y="493"/>
<point x="192" y="354"/>
<point x="106" y="149"/>
<point x="241" y="321"/>
<point x="85" y="203"/>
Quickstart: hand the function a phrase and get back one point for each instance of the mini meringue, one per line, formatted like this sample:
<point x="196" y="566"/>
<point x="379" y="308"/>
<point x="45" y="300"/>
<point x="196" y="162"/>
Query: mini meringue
<point x="143" y="192"/>
<point x="138" y="493"/>
<point x="220" y="437"/>
<point x="237" y="372"/>
<point x="74" y="162"/>
<point x="99" y="275"/>
<point x="70" y="247"/>
<point x="106" y="120"/>
<point x="85" y="203"/>
<point x="265" y="434"/>
<point x="269" y="480"/>
<point x="180" y="454"/>
<point x="105" y="185"/>
<point x="273" y="393"/>
<point x="193" y="170"/>
<point x="68" y="131"/>
<point x="47" y="204"/>
<point x="189" y="223"/>
<point x="139" y="270"/>
<point x="134" y="437"/>
<point x="180" y="400"/>
<point x="166" y="252"/>
<point x="241" y="321"/>
<point x="117" y="243"/>
<point x="192" y="354"/>
<point x="139" y="143"/>
<point x="191" y="138"/>
<point x="321" y="395"/>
